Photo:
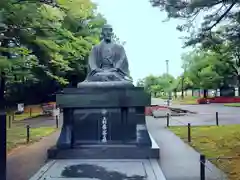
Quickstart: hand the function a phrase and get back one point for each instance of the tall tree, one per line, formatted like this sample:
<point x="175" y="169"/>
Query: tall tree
<point x="209" y="70"/>
<point x="157" y="84"/>
<point x="49" y="45"/>
<point x="213" y="13"/>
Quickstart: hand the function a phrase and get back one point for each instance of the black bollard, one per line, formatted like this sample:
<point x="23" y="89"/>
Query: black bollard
<point x="30" y="111"/>
<point x="28" y="133"/>
<point x="168" y="119"/>
<point x="217" y="121"/>
<point x="57" y="121"/>
<point x="202" y="167"/>
<point x="189" y="132"/>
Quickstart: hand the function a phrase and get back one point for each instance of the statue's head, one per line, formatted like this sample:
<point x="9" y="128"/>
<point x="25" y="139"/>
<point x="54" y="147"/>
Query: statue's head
<point x="107" y="32"/>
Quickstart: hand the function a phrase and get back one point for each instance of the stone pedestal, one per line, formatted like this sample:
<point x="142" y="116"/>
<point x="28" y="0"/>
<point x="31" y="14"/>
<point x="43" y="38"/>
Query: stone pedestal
<point x="104" y="122"/>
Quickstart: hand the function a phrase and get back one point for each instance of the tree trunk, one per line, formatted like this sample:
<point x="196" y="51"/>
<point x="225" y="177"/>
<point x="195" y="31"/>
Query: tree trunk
<point x="205" y="93"/>
<point x="238" y="84"/>
<point x="175" y="93"/>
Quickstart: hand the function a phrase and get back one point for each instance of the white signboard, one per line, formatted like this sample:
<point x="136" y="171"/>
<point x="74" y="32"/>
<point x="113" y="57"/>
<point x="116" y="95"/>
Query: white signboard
<point x="236" y="92"/>
<point x="20" y="107"/>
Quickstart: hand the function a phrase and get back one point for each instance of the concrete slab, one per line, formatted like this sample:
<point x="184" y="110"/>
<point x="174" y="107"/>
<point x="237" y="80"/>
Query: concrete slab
<point x="108" y="169"/>
<point x="161" y="112"/>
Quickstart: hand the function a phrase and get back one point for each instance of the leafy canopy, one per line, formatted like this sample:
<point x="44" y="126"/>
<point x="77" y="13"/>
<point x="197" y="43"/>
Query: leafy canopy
<point x="46" y="41"/>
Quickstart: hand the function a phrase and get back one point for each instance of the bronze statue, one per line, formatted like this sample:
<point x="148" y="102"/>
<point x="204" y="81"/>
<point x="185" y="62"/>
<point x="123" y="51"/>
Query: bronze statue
<point x="107" y="63"/>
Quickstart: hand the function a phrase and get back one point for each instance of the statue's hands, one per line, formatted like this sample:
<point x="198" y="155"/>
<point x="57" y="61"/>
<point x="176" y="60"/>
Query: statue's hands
<point x="109" y="70"/>
<point x="112" y="70"/>
<point x="97" y="70"/>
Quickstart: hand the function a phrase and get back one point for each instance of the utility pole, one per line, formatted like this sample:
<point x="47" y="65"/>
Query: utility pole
<point x="3" y="128"/>
<point x="182" y="87"/>
<point x="167" y="68"/>
<point x="183" y="82"/>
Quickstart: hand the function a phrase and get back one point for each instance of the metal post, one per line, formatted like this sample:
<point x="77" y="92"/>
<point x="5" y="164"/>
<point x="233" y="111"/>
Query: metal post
<point x="182" y="95"/>
<point x="189" y="132"/>
<point x="13" y="116"/>
<point x="3" y="128"/>
<point x="30" y="111"/>
<point x="9" y="122"/>
<point x="167" y="119"/>
<point x="169" y="96"/>
<point x="183" y="78"/>
<point x="28" y="133"/>
<point x="57" y="120"/>
<point x="217" y="121"/>
<point x="202" y="167"/>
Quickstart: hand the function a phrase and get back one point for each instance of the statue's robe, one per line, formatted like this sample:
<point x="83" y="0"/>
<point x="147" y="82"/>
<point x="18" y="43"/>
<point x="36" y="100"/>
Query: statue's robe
<point x="112" y="62"/>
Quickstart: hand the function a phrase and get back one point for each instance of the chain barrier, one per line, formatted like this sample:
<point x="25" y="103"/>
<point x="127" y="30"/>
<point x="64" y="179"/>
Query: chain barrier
<point x="223" y="163"/>
<point x="209" y="167"/>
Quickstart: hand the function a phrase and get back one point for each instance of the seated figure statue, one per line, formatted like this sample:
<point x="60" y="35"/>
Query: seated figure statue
<point x="107" y="64"/>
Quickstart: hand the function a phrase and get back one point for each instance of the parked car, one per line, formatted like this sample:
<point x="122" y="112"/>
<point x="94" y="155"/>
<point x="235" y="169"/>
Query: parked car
<point x="48" y="108"/>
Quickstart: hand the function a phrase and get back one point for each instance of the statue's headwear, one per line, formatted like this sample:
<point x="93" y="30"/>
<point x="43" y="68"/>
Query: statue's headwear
<point x="107" y="26"/>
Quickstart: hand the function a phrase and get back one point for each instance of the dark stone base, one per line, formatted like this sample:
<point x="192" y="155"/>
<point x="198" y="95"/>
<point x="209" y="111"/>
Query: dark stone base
<point x="105" y="152"/>
<point x="105" y="84"/>
<point x="104" y="123"/>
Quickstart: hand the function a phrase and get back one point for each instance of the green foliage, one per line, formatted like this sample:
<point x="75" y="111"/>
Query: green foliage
<point x="213" y="29"/>
<point x="211" y="14"/>
<point x="46" y="42"/>
<point x="209" y="70"/>
<point x="157" y="84"/>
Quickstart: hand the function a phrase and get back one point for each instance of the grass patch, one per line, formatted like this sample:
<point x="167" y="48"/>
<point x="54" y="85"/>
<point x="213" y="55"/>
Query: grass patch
<point x="26" y="115"/>
<point x="232" y="104"/>
<point x="17" y="135"/>
<point x="30" y="111"/>
<point x="186" y="100"/>
<point x="214" y="141"/>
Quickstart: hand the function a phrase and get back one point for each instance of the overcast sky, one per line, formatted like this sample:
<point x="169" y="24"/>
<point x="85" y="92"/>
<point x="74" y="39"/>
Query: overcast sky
<point x="149" y="41"/>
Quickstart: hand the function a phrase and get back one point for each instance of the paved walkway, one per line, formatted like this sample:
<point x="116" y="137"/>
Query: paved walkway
<point x="206" y="114"/>
<point x="41" y="121"/>
<point x="178" y="160"/>
<point x="203" y="120"/>
<point x="26" y="161"/>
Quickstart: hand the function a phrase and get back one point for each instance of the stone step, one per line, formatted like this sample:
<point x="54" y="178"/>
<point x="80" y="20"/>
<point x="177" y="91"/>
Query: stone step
<point x="104" y="152"/>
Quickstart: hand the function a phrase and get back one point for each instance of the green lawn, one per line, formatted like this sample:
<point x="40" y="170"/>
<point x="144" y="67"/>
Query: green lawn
<point x="36" y="110"/>
<point x="213" y="141"/>
<point x="232" y="104"/>
<point x="25" y="115"/>
<point x="17" y="135"/>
